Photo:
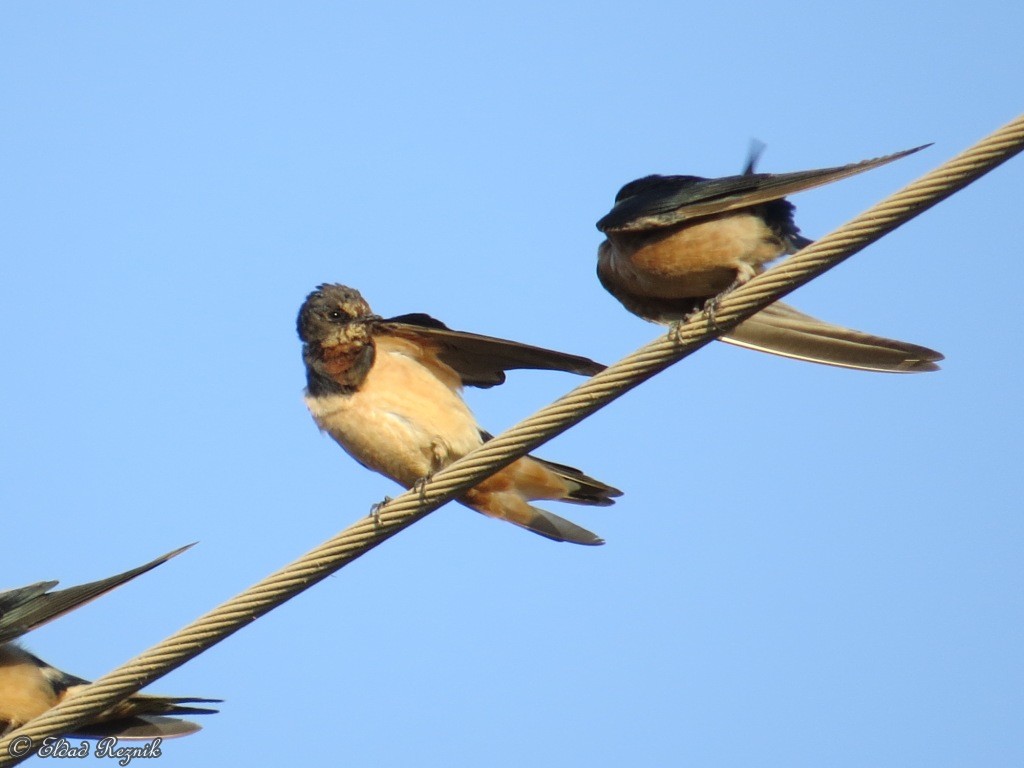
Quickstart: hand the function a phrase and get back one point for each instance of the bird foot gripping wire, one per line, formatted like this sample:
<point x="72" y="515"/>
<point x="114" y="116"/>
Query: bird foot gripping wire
<point x="711" y="307"/>
<point x="375" y="511"/>
<point x="440" y="457"/>
<point x="708" y="310"/>
<point x="420" y="486"/>
<point x="674" y="330"/>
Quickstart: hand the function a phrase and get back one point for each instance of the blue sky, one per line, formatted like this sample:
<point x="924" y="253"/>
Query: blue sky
<point x="810" y="566"/>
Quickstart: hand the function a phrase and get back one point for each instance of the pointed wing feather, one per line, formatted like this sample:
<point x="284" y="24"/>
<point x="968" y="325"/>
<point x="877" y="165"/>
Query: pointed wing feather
<point x="135" y="728"/>
<point x="13" y="598"/>
<point x="22" y="610"/>
<point x="782" y="330"/>
<point x="661" y="201"/>
<point x="481" y="361"/>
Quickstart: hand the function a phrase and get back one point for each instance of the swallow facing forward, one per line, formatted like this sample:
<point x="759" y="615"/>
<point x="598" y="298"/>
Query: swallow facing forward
<point x="674" y="243"/>
<point x="29" y="686"/>
<point x="388" y="391"/>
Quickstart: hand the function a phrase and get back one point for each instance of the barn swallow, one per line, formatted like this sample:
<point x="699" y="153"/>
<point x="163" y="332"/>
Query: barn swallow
<point x="29" y="686"/>
<point x="675" y="244"/>
<point x="389" y="392"/>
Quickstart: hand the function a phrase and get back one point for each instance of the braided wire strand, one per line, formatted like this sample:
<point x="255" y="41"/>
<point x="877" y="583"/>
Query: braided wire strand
<point x="595" y="393"/>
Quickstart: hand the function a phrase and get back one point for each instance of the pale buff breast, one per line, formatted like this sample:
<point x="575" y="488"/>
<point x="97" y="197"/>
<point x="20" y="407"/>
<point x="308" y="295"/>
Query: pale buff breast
<point x="400" y="419"/>
<point x="25" y="692"/>
<point x="696" y="260"/>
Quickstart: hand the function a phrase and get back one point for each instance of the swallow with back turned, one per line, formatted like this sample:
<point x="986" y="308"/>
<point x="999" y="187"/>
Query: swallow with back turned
<point x="389" y="392"/>
<point x="29" y="686"/>
<point x="677" y="243"/>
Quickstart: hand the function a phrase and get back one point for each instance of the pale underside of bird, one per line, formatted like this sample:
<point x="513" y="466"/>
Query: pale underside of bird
<point x="389" y="392"/>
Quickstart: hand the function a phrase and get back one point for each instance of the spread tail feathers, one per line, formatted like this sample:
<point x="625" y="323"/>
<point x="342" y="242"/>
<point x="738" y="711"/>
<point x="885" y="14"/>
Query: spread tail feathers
<point x="504" y="495"/>
<point x="781" y="330"/>
<point x="581" y="488"/>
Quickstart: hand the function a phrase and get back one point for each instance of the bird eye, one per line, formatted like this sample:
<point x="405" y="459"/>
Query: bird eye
<point x="336" y="314"/>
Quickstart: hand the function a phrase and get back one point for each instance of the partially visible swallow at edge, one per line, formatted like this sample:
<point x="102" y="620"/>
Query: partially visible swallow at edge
<point x="29" y="686"/>
<point x="389" y="392"/>
<point x="24" y="609"/>
<point x="676" y="243"/>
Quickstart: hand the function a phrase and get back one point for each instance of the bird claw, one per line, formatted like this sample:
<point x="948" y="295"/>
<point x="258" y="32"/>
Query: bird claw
<point x="675" y="328"/>
<point x="420" y="486"/>
<point x="375" y="511"/>
<point x="711" y="307"/>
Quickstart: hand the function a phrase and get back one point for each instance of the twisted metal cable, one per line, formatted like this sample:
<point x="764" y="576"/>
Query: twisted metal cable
<point x="547" y="423"/>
